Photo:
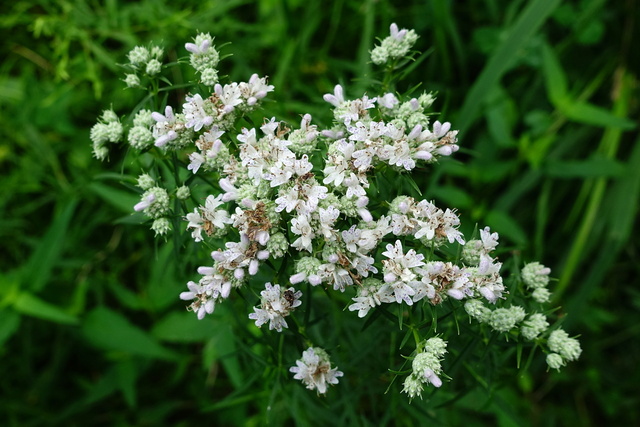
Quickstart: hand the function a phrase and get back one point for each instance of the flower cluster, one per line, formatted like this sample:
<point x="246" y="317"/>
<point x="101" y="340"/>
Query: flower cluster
<point x="276" y="304"/>
<point x="395" y="46"/>
<point x="108" y="129"/>
<point x="145" y="62"/>
<point x="426" y="367"/>
<point x="563" y="349"/>
<point x="536" y="278"/>
<point x="315" y="371"/>
<point x="204" y="58"/>
<point x="308" y="199"/>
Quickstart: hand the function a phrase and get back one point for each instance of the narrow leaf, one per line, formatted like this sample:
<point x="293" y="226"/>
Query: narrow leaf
<point x="37" y="270"/>
<point x="9" y="323"/>
<point x="123" y="200"/>
<point x="31" y="305"/>
<point x="109" y="330"/>
<point x="554" y="77"/>
<point x="528" y="22"/>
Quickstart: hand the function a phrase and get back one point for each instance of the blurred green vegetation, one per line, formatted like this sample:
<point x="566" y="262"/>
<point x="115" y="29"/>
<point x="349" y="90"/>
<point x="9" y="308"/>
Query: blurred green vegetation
<point x="544" y="92"/>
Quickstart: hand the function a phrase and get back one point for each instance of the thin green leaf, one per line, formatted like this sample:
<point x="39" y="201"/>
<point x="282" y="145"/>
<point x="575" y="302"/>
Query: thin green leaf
<point x="554" y="77"/>
<point x="507" y="226"/>
<point x="109" y="330"/>
<point x="590" y="114"/>
<point x="528" y="22"/>
<point x="123" y="200"/>
<point x="37" y="270"/>
<point x="29" y="304"/>
<point x="596" y="166"/>
<point x="183" y="326"/>
<point x="9" y="323"/>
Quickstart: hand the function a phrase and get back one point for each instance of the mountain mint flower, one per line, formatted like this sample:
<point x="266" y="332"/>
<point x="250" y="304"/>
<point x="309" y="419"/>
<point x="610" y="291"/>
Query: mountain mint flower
<point x="559" y="342"/>
<point x="154" y="203"/>
<point x="370" y="296"/>
<point x="395" y="46"/>
<point x="477" y="310"/>
<point x="426" y="367"/>
<point x="145" y="181"/>
<point x="161" y="226"/>
<point x="541" y="295"/>
<point x="316" y="199"/>
<point x="555" y="361"/>
<point x="108" y="129"/>
<point x="534" y="326"/>
<point x="535" y="275"/>
<point x="314" y="370"/>
<point x="275" y="305"/>
<point x="505" y="319"/>
<point x="139" y="55"/>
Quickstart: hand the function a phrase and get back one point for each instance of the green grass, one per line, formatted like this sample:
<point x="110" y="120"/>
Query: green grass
<point x="546" y="96"/>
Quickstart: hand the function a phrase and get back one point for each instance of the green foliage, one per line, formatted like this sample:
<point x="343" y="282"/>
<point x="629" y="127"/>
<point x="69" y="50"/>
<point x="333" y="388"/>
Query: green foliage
<point x="91" y="330"/>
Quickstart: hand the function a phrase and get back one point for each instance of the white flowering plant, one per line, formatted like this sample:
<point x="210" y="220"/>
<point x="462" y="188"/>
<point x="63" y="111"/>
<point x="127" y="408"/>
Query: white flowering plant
<point x="306" y="225"/>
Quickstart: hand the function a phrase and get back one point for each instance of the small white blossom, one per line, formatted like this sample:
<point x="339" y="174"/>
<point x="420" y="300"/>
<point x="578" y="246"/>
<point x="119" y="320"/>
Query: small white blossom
<point x="275" y="305"/>
<point x="314" y="370"/>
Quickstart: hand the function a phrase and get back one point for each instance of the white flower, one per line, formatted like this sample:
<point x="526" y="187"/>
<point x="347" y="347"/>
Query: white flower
<point x="328" y="218"/>
<point x="195" y="114"/>
<point x="314" y="370"/>
<point x="164" y="130"/>
<point x="300" y="226"/>
<point x="255" y="89"/>
<point x="275" y="305"/>
<point x="337" y="98"/>
<point x="389" y="100"/>
<point x="399" y="272"/>
<point x="195" y="161"/>
<point x="370" y="296"/>
<point x="489" y="239"/>
<point x="203" y="304"/>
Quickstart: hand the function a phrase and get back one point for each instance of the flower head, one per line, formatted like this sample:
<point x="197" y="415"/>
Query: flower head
<point x="314" y="370"/>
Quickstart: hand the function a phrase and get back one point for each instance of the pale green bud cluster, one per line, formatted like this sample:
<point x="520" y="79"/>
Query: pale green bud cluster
<point x="145" y="60"/>
<point x="395" y="206"/>
<point x="560" y="342"/>
<point x="427" y="367"/>
<point x="153" y="67"/>
<point x="534" y="326"/>
<point x="138" y="56"/>
<point x="277" y="245"/>
<point x="541" y="295"/>
<point x="183" y="192"/>
<point x="132" y="80"/>
<point x="396" y="46"/>
<point x="140" y="135"/>
<point x="348" y="206"/>
<point x="471" y="252"/>
<point x="410" y="113"/>
<point x="477" y="310"/>
<point x="536" y="277"/>
<point x="108" y="129"/>
<point x="204" y="58"/>
<point x="505" y="319"/>
<point x="159" y="207"/>
<point x="555" y="361"/>
<point x="300" y="144"/>
<point x="161" y="226"/>
<point x="308" y="265"/>
<point x="436" y="345"/>
<point x="145" y="181"/>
